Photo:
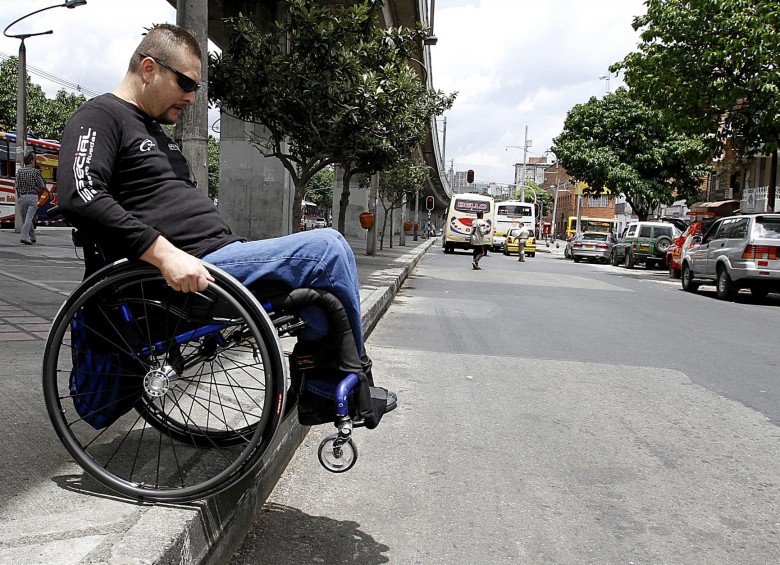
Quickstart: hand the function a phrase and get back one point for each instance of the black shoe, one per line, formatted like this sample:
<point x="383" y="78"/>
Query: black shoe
<point x="25" y="242"/>
<point x="392" y="401"/>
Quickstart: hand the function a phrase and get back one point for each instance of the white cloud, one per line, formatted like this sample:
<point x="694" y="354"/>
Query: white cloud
<point x="518" y="63"/>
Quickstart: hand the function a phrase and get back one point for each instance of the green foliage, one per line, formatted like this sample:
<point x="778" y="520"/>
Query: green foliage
<point x="329" y="86"/>
<point x="213" y="167"/>
<point x="712" y="67"/>
<point x="46" y="117"/>
<point x="622" y="145"/>
<point x="320" y="188"/>
<point x="404" y="178"/>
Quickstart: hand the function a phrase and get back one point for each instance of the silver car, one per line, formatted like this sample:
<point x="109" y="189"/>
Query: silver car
<point x="736" y="252"/>
<point x="592" y="246"/>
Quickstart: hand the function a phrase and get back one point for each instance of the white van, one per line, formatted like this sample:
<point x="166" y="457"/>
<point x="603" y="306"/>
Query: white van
<point x="463" y="209"/>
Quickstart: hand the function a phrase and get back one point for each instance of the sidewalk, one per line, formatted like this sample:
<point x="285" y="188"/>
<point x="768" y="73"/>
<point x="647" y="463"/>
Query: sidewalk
<point x="51" y="512"/>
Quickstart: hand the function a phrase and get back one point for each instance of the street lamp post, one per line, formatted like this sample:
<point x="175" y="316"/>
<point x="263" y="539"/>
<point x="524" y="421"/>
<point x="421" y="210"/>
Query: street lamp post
<point x="526" y="145"/>
<point x="21" y="92"/>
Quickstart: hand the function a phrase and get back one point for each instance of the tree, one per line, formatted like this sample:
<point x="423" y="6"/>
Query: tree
<point x="712" y="67"/>
<point x="405" y="177"/>
<point x="320" y="188"/>
<point x="397" y="115"/>
<point x="213" y="167"/>
<point x="46" y="117"/>
<point x="618" y="145"/>
<point x="316" y="84"/>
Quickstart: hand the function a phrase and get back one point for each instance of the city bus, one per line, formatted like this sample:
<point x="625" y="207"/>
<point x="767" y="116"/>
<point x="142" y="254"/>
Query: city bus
<point x="47" y="155"/>
<point x="461" y="214"/>
<point x="606" y="225"/>
<point x="509" y="214"/>
<point x="308" y="215"/>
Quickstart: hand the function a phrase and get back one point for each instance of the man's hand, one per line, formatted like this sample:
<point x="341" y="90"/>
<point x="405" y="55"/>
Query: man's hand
<point x="181" y="270"/>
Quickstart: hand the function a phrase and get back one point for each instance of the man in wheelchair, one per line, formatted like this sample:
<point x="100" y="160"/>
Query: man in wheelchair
<point x="125" y="184"/>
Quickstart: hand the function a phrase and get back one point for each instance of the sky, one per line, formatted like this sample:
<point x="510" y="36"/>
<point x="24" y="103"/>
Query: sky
<point x="514" y="63"/>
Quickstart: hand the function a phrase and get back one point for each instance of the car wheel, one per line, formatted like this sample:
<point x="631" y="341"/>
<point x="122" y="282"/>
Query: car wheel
<point x="759" y="292"/>
<point x="724" y="287"/>
<point x="615" y="260"/>
<point x="576" y="259"/>
<point x="688" y="283"/>
<point x="532" y="254"/>
<point x="629" y="260"/>
<point x="674" y="273"/>
<point x="506" y="251"/>
<point x="663" y="243"/>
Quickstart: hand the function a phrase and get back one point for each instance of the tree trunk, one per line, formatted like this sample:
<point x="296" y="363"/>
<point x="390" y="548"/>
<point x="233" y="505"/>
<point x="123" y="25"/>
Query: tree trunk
<point x="344" y="200"/>
<point x="770" y="191"/>
<point x="296" y="211"/>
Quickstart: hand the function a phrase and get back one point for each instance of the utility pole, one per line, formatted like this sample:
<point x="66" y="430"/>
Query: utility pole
<point x="522" y="175"/>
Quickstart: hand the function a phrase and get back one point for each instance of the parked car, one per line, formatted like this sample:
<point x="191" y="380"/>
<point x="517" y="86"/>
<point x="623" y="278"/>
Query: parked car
<point x="511" y="246"/>
<point x="644" y="243"/>
<point x="736" y="252"/>
<point x="679" y="246"/>
<point x="592" y="246"/>
<point x="320" y="223"/>
<point x="567" y="248"/>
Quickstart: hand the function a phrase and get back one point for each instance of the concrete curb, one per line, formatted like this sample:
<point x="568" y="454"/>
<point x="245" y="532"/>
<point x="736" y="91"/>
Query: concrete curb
<point x="210" y="531"/>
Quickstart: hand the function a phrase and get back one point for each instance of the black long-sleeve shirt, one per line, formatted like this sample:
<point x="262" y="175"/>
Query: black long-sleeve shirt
<point x="124" y="182"/>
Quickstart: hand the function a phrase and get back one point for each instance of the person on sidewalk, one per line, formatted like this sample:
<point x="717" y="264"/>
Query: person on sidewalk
<point x="28" y="184"/>
<point x="125" y="183"/>
<point x="522" y="238"/>
<point x="478" y="240"/>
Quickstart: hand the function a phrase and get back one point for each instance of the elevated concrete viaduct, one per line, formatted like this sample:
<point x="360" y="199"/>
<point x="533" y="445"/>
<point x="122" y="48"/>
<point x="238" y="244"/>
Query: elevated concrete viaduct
<point x="256" y="195"/>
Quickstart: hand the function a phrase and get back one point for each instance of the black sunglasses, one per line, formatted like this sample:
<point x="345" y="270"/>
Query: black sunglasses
<point x="185" y="83"/>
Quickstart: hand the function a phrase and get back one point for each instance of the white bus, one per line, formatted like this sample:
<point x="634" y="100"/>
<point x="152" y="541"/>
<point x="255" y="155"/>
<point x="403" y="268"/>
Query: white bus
<point x="460" y="215"/>
<point x="509" y="214"/>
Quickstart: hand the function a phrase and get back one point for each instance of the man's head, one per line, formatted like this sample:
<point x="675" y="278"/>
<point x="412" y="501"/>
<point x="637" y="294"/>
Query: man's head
<point x="480" y="214"/>
<point x="29" y="159"/>
<point x="164" y="72"/>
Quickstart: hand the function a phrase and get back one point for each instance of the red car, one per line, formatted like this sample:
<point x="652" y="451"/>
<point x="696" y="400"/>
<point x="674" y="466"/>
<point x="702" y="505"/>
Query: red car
<point x="678" y="248"/>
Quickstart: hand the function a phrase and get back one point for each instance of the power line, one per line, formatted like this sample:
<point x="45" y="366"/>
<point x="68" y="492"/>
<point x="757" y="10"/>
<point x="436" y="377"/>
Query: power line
<point x="89" y="93"/>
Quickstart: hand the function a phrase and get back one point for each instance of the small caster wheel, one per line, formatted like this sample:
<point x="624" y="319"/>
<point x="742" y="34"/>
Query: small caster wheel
<point x="337" y="459"/>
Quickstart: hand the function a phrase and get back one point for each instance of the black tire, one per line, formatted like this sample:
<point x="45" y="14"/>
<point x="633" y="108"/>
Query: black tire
<point x="531" y="254"/>
<point x="506" y="251"/>
<point x="688" y="284"/>
<point x="614" y="259"/>
<point x="628" y="260"/>
<point x="576" y="259"/>
<point x="674" y="273"/>
<point x="724" y="287"/>
<point x="662" y="244"/>
<point x="202" y="374"/>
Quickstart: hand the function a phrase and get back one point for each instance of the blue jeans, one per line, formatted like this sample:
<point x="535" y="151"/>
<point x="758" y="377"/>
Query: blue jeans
<point x="312" y="259"/>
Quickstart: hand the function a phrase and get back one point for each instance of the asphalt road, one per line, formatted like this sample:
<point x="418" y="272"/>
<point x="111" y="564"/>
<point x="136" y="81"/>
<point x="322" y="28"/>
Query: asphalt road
<point x="550" y="412"/>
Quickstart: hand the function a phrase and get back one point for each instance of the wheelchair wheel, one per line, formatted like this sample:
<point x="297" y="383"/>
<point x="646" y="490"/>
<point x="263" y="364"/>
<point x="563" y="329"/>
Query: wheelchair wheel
<point x="162" y="395"/>
<point x="337" y="459"/>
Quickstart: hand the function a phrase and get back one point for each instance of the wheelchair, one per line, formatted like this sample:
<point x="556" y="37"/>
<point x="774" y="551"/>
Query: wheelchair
<point x="165" y="396"/>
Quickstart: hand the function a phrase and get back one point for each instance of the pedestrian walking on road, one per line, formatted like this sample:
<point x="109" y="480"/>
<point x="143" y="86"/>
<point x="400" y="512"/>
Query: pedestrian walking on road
<point x="478" y="240"/>
<point x="29" y="183"/>
<point x="521" y="239"/>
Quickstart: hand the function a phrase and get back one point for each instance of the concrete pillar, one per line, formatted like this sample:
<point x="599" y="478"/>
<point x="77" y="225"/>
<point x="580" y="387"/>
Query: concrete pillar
<point x="192" y="127"/>
<point x="358" y="202"/>
<point x="255" y="192"/>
